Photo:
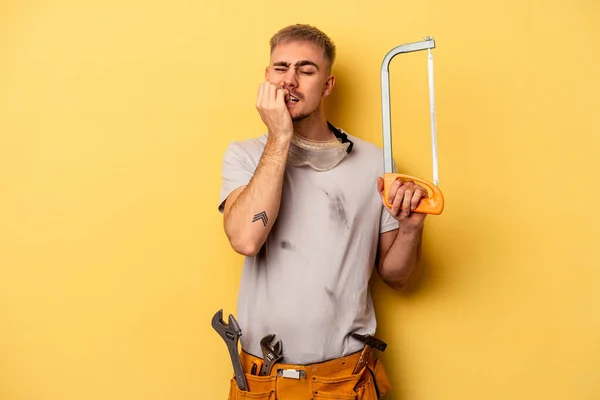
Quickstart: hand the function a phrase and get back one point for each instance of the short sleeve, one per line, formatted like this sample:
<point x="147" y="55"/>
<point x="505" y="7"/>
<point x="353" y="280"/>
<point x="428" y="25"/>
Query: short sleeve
<point x="387" y="222"/>
<point x="237" y="170"/>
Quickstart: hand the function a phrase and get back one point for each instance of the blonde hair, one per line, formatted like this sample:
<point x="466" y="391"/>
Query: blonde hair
<point x="305" y="33"/>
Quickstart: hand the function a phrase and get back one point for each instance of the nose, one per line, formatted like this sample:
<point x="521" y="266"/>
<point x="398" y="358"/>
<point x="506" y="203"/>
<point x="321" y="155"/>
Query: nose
<point x="290" y="80"/>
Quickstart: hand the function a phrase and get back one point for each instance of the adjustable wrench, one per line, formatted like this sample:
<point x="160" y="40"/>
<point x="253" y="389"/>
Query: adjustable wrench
<point x="231" y="334"/>
<point x="271" y="354"/>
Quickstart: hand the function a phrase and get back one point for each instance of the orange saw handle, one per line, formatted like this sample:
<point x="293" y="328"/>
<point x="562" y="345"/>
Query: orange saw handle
<point x="434" y="204"/>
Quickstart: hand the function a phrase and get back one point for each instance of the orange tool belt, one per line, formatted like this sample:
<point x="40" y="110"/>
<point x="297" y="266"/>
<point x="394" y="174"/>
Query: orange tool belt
<point x="327" y="380"/>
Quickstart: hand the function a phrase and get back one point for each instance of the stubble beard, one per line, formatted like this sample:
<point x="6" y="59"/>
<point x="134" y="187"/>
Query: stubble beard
<point x="303" y="116"/>
<point x="300" y="117"/>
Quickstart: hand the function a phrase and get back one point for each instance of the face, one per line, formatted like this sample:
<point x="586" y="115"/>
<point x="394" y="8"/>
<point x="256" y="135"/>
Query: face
<point x="301" y="68"/>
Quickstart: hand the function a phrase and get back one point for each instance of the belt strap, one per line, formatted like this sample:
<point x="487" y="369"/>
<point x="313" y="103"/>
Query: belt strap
<point x="338" y="367"/>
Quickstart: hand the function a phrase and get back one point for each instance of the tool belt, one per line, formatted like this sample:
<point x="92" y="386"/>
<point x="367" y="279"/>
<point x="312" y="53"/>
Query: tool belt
<point x="332" y="379"/>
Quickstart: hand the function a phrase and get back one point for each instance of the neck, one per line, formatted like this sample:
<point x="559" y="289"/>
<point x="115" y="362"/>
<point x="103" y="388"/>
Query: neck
<point x="314" y="127"/>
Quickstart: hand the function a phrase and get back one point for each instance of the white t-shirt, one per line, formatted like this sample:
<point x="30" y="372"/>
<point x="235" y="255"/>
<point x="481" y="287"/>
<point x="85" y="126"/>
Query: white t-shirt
<point x="309" y="284"/>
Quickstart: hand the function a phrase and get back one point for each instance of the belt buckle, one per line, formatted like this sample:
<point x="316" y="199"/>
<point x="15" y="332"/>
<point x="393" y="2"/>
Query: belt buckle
<point x="291" y="373"/>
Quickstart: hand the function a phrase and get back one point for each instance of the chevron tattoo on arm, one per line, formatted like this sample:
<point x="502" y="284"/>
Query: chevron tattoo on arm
<point x="261" y="216"/>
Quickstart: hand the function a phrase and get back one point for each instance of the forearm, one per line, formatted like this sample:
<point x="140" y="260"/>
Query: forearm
<point x="255" y="210"/>
<point x="401" y="260"/>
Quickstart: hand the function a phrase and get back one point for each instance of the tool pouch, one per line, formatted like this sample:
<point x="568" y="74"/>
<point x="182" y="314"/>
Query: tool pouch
<point x="371" y="383"/>
<point x="325" y="381"/>
<point x="380" y="381"/>
<point x="342" y="387"/>
<point x="259" y="388"/>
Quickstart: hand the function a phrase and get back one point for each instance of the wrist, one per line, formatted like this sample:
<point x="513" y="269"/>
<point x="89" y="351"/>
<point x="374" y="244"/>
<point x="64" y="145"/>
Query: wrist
<point x="280" y="139"/>
<point x="278" y="146"/>
<point x="411" y="231"/>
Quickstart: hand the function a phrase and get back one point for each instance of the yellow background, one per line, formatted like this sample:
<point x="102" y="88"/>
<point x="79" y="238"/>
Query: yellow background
<point x="114" y="116"/>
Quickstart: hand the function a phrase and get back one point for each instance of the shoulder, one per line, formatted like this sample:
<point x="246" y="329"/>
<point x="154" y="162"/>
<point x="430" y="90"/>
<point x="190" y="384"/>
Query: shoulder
<point x="250" y="145"/>
<point x="250" y="149"/>
<point x="368" y="148"/>
<point x="360" y="145"/>
<point x="365" y="152"/>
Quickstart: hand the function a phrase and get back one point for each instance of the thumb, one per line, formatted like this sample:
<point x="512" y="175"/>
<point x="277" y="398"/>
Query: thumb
<point x="381" y="190"/>
<point x="380" y="185"/>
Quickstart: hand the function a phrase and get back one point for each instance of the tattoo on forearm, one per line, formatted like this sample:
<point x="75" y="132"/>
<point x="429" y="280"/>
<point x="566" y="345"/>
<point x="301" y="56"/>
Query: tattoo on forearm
<point x="261" y="216"/>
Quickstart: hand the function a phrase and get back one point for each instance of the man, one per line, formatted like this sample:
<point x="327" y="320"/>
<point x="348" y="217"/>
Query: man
<point x="304" y="204"/>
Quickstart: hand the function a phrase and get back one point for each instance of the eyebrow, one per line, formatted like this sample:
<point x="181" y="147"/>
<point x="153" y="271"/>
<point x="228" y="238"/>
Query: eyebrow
<point x="301" y="63"/>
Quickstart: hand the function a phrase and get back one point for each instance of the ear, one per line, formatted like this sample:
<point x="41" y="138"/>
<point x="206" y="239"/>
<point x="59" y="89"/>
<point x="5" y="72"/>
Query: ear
<point x="329" y="84"/>
<point x="266" y="72"/>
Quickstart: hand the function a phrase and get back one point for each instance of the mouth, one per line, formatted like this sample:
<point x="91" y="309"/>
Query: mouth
<point x="292" y="99"/>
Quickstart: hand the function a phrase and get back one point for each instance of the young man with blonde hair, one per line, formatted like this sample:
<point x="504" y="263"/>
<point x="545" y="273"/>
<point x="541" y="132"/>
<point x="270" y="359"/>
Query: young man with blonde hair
<point x="303" y="204"/>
